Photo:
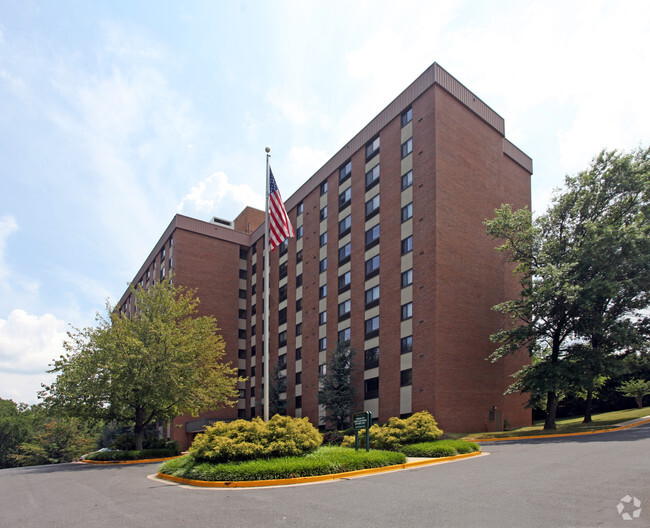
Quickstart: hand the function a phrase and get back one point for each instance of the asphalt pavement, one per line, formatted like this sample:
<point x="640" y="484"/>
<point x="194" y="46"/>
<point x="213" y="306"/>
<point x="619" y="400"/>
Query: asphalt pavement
<point x="585" y="481"/>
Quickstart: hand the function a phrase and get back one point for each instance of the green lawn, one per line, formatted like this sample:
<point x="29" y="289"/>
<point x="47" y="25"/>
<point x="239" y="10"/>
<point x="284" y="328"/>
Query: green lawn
<point x="565" y="425"/>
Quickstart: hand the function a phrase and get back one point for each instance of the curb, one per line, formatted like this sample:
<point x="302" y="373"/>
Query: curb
<point x="116" y="462"/>
<point x="316" y="478"/>
<point x="561" y="435"/>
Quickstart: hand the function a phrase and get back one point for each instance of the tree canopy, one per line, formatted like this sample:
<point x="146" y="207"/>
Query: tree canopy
<point x="583" y="270"/>
<point x="150" y="365"/>
<point x="336" y="391"/>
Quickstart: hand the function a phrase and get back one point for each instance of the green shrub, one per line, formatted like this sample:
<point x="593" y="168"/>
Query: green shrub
<point x="108" y="456"/>
<point x="324" y="461"/>
<point x="240" y="440"/>
<point x="441" y="448"/>
<point x="398" y="432"/>
<point x="333" y="438"/>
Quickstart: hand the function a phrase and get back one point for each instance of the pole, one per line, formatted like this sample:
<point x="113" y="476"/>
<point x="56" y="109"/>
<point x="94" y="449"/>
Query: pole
<point x="266" y="291"/>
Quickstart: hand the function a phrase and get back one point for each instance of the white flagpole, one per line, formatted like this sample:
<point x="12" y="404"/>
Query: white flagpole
<point x="266" y="292"/>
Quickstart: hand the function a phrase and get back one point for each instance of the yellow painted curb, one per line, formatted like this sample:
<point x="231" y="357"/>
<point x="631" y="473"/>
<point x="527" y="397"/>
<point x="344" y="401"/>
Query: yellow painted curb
<point x="316" y="478"/>
<point x="560" y="435"/>
<point x="143" y="461"/>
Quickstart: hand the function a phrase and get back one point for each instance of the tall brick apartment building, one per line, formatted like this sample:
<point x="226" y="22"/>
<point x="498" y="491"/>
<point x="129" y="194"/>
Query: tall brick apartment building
<point x="390" y="253"/>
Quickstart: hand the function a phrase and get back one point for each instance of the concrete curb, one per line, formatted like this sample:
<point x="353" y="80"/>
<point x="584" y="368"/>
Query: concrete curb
<point x="628" y="425"/>
<point x="116" y="462"/>
<point x="317" y="478"/>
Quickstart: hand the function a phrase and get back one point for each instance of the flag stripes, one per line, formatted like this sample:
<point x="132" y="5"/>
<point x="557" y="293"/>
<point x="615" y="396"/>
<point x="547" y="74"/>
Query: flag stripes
<point x="280" y="227"/>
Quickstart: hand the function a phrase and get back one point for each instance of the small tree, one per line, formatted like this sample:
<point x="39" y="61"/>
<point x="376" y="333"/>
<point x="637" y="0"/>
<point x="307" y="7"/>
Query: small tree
<point x="336" y="391"/>
<point x="152" y="365"/>
<point x="16" y="427"/>
<point x="277" y="387"/>
<point x="635" y="388"/>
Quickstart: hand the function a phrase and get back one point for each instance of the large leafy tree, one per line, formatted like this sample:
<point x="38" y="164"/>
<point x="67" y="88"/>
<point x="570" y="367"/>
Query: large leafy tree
<point x="152" y="365"/>
<point x="336" y="391"/>
<point x="16" y="427"/>
<point x="582" y="266"/>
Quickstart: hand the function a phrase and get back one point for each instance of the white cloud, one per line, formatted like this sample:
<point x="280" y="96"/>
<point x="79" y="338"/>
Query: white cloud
<point x="8" y="225"/>
<point x="28" y="344"/>
<point x="207" y="197"/>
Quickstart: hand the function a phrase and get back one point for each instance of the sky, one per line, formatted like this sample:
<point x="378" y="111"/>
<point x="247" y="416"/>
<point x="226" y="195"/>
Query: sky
<point x="115" y="115"/>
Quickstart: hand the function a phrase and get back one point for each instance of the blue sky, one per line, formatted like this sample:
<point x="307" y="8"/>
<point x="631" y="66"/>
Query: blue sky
<point x="116" y="115"/>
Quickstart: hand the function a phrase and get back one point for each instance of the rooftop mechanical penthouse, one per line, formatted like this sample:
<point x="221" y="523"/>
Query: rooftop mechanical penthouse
<point x="390" y="253"/>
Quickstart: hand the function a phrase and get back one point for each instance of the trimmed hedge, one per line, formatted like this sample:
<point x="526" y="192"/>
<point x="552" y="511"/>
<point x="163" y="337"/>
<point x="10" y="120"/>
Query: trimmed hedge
<point x="240" y="440"/>
<point x="398" y="432"/>
<point x="441" y="448"/>
<point x="324" y="461"/>
<point x="133" y="455"/>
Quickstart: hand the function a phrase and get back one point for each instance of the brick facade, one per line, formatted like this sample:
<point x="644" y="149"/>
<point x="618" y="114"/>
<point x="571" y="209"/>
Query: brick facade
<point x="451" y="146"/>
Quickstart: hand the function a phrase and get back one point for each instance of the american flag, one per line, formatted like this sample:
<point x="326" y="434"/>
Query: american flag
<point x="280" y="227"/>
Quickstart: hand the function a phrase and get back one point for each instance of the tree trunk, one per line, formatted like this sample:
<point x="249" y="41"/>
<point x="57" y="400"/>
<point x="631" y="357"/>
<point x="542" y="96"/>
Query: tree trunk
<point x="590" y="396"/>
<point x="639" y="401"/>
<point x="551" y="409"/>
<point x="138" y="428"/>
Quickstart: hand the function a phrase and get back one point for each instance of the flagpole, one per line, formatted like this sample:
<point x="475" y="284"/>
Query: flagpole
<point x="266" y="291"/>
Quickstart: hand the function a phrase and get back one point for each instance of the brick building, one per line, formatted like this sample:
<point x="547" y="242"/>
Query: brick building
<point x="390" y="253"/>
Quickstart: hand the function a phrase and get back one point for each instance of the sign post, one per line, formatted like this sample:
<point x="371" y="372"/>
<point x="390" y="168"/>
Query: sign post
<point x="362" y="420"/>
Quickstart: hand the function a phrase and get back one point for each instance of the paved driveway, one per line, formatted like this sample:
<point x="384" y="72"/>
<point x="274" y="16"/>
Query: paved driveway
<point x="562" y="482"/>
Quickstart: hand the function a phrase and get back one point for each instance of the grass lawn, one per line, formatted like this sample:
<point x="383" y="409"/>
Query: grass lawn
<point x="564" y="425"/>
<point x="323" y="461"/>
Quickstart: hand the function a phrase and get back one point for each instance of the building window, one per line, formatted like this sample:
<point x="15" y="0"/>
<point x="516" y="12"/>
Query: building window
<point x="299" y="329"/>
<point x="323" y="188"/>
<point x="372" y="206"/>
<point x="372" y="297"/>
<point x="253" y="330"/>
<point x="372" y="177"/>
<point x="282" y="293"/>
<point x="322" y="369"/>
<point x="253" y="289"/>
<point x="242" y="314"/>
<point x="242" y="274"/>
<point x="282" y="361"/>
<point x="243" y="253"/>
<point x="371" y="359"/>
<point x="323" y="239"/>
<point x="344" y="310"/>
<point x="254" y="252"/>
<point x="407" y="147"/>
<point x="345" y="198"/>
<point x="372" y="266"/>
<point x="322" y="317"/>
<point x="242" y="294"/>
<point x="298" y="305"/>
<point x="241" y="353"/>
<point x="407" y="311"/>
<point x="241" y="413"/>
<point x="254" y="269"/>
<point x="372" y="148"/>
<point x="371" y="388"/>
<point x="345" y="226"/>
<point x="407" y="116"/>
<point x="344" y="281"/>
<point x="298" y="353"/>
<point x="282" y="339"/>
<point x="298" y="402"/>
<point x="322" y="265"/>
<point x="407" y="212"/>
<point x="345" y="172"/>
<point x="323" y="213"/>
<point x="372" y="236"/>
<point x="253" y="309"/>
<point x="284" y="246"/>
<point x="241" y="334"/>
<point x="253" y="351"/>
<point x="407" y="245"/>
<point x="298" y="280"/>
<point x="283" y="270"/>
<point x="298" y="378"/>
<point x="322" y="291"/>
<point x="299" y="231"/>
<point x="406" y="345"/>
<point x="241" y="373"/>
<point x="282" y="316"/>
<point x="299" y="209"/>
<point x="299" y="257"/>
<point x="372" y="327"/>
<point x="322" y="344"/>
<point x="406" y="377"/>
<point x="345" y="253"/>
<point x="407" y="278"/>
<point x="344" y="335"/>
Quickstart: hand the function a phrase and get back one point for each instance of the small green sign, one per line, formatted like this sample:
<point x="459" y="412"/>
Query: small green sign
<point x="361" y="420"/>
